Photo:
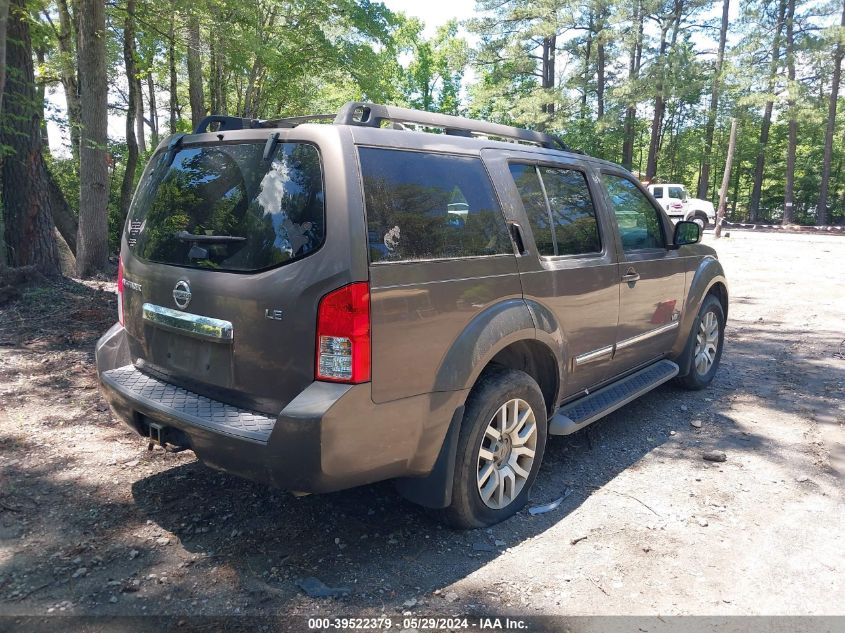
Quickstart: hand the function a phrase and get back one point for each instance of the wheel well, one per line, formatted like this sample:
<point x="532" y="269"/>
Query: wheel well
<point x="719" y="291"/>
<point x="536" y="360"/>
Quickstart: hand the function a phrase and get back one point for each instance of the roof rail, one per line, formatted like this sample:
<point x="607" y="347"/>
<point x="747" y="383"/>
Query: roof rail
<point x="365" y="114"/>
<point x="293" y="121"/>
<point x="228" y="123"/>
<point x="373" y="114"/>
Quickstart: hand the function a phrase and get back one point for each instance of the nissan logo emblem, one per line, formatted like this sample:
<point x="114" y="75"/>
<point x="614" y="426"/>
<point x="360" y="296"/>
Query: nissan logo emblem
<point x="182" y="294"/>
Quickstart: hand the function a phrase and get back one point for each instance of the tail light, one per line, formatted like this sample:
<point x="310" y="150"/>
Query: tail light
<point x="120" y="290"/>
<point x="343" y="335"/>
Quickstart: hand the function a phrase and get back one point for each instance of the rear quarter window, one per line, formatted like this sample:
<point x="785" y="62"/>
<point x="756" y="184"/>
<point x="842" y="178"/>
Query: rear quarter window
<point x="226" y="207"/>
<point x="429" y="206"/>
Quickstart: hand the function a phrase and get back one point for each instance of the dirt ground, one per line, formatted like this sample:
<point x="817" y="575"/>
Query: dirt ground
<point x="91" y="522"/>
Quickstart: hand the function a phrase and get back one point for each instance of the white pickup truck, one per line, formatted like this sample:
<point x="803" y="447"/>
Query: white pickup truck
<point x="679" y="206"/>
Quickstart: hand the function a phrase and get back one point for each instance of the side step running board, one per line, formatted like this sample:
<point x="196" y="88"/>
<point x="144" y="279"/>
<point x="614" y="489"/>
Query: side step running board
<point x="576" y="415"/>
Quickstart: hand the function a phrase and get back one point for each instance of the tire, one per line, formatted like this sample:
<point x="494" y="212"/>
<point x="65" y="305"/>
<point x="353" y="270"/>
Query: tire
<point x="500" y="465"/>
<point x="705" y="353"/>
<point x="701" y="219"/>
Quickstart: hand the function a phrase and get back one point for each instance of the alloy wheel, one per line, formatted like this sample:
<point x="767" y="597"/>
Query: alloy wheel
<point x="507" y="452"/>
<point x="706" y="343"/>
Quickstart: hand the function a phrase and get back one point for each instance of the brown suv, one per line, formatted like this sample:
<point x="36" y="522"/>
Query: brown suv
<point x="323" y="306"/>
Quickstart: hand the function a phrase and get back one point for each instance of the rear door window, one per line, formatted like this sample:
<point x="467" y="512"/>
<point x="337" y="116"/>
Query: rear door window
<point x="573" y="215"/>
<point x="226" y="207"/>
<point x="430" y="206"/>
<point x="559" y="208"/>
<point x="534" y="201"/>
<point x="658" y="192"/>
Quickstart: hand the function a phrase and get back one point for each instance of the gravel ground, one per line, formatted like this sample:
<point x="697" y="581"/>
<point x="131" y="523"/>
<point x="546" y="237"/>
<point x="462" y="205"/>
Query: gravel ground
<point x="93" y="523"/>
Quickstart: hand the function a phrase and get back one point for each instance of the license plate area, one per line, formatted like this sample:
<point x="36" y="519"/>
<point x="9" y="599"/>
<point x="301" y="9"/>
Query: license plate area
<point x="182" y="355"/>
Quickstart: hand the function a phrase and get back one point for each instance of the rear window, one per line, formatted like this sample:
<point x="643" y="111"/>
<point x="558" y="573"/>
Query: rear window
<point x="430" y="206"/>
<point x="226" y="207"/>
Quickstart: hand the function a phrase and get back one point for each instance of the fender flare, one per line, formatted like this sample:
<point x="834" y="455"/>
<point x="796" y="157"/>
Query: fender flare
<point x="708" y="274"/>
<point x="485" y="335"/>
<point x="490" y="332"/>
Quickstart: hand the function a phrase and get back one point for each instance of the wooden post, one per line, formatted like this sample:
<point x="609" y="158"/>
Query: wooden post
<point x="726" y="179"/>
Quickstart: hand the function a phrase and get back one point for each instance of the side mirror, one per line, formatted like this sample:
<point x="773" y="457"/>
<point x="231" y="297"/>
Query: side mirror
<point x="686" y="233"/>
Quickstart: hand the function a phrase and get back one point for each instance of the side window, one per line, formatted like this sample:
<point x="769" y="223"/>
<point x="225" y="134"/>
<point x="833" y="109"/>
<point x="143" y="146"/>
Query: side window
<point x="658" y="192"/>
<point x="559" y="208"/>
<point x="638" y="220"/>
<point x="676" y="192"/>
<point x="429" y="206"/>
<point x="573" y="215"/>
<point x="528" y="183"/>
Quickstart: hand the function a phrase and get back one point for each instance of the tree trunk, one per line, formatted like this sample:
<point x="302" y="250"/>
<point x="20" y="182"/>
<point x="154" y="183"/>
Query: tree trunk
<point x="195" y="72"/>
<point x="92" y="242"/>
<point x="250" y="112"/>
<point x="67" y="39"/>
<point x="660" y="97"/>
<point x="600" y="79"/>
<point x="726" y="180"/>
<point x="151" y="91"/>
<point x="63" y="216"/>
<point x="4" y="16"/>
<point x="212" y="72"/>
<point x="736" y="173"/>
<point x="140" y="133"/>
<point x="657" y="118"/>
<point x="128" y="183"/>
<point x="633" y="75"/>
<point x="171" y="59"/>
<point x="548" y="71"/>
<point x="216" y="78"/>
<point x="41" y="55"/>
<point x="792" y="143"/>
<point x="26" y="200"/>
<point x="588" y="51"/>
<point x="704" y="178"/>
<point x="822" y="217"/>
<point x="759" y="167"/>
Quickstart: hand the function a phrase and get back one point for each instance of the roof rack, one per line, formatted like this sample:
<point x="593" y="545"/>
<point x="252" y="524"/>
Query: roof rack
<point x="365" y="114"/>
<point x="373" y="114"/>
<point x="228" y="123"/>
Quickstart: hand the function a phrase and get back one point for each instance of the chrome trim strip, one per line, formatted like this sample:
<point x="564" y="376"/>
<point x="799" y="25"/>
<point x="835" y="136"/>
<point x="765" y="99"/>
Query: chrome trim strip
<point x="639" y="338"/>
<point x="596" y="354"/>
<point x="203" y="327"/>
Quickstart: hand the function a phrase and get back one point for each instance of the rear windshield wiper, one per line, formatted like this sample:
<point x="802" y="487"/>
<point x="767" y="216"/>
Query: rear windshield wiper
<point x="184" y="236"/>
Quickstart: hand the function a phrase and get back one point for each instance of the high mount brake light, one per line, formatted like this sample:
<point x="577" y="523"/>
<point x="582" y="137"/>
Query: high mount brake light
<point x="343" y="335"/>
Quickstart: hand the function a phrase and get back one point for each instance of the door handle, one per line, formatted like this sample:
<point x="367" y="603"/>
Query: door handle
<point x="631" y="276"/>
<point x="516" y="234"/>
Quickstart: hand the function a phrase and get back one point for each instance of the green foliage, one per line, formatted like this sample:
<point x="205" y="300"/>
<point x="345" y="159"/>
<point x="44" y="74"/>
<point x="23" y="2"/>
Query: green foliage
<point x="509" y="58"/>
<point x="271" y="58"/>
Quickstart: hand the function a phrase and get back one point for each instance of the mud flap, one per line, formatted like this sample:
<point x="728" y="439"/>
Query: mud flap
<point x="435" y="489"/>
<point x="684" y="361"/>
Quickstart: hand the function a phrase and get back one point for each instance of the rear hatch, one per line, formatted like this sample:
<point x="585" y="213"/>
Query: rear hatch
<point x="225" y="261"/>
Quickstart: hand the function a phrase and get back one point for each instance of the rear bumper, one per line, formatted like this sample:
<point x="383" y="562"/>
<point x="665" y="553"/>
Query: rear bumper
<point x="330" y="437"/>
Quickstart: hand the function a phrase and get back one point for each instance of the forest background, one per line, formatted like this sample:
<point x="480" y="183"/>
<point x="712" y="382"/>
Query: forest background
<point x="88" y="89"/>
